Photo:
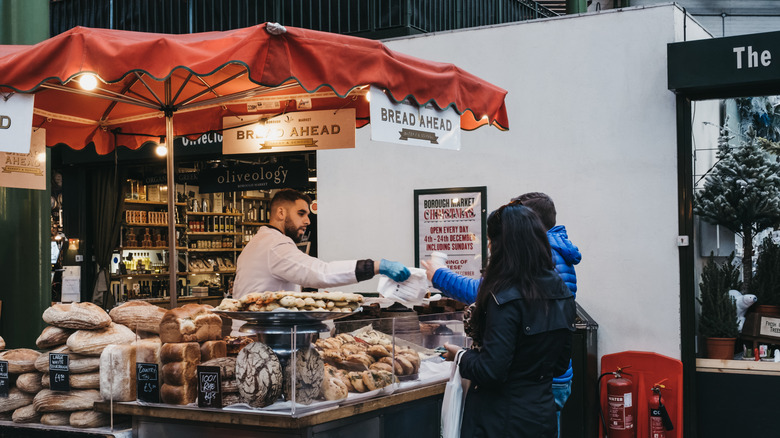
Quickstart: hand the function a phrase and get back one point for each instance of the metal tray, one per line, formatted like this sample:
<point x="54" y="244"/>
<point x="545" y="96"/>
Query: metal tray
<point x="287" y="317"/>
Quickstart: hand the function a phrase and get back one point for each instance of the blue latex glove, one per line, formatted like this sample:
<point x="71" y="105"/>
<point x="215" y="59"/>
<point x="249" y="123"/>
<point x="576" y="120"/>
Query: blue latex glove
<point x="396" y="271"/>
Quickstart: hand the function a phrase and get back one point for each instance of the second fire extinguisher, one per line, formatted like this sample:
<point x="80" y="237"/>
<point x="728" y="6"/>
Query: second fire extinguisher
<point x="659" y="417"/>
<point x="620" y="408"/>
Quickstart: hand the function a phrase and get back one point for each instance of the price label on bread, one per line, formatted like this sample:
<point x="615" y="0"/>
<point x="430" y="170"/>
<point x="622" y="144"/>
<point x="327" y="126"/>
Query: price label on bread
<point x="293" y="301"/>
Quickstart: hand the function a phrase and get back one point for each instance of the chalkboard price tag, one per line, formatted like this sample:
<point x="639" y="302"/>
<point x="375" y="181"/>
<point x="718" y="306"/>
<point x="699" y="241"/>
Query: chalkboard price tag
<point x="209" y="387"/>
<point x="4" y="383"/>
<point x="148" y="382"/>
<point x="59" y="372"/>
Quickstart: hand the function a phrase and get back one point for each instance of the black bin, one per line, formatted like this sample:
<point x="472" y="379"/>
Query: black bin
<point x="579" y="417"/>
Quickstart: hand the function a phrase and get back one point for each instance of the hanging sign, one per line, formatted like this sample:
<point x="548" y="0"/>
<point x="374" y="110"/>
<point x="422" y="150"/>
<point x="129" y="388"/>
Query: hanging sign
<point x="452" y="221"/>
<point x="16" y="113"/>
<point x="297" y="131"/>
<point x="209" y="387"/>
<point x="147" y="382"/>
<point x="408" y="123"/>
<point x="25" y="170"/>
<point x="242" y="177"/>
<point x="59" y="372"/>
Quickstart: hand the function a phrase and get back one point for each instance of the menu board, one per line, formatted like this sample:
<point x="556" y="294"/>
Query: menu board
<point x="59" y="372"/>
<point x="4" y="383"/>
<point x="148" y="382"/>
<point x="452" y="221"/>
<point x="209" y="387"/>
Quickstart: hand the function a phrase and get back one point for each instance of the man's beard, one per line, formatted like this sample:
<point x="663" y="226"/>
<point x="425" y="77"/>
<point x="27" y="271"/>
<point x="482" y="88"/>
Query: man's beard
<point x="291" y="231"/>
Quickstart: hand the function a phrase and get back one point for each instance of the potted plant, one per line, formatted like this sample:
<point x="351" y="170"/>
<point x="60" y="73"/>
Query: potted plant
<point x="766" y="281"/>
<point x="718" y="319"/>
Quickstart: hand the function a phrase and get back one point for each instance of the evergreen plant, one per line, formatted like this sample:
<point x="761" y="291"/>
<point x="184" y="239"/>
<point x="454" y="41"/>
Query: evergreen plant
<point x="766" y="282"/>
<point x="718" y="317"/>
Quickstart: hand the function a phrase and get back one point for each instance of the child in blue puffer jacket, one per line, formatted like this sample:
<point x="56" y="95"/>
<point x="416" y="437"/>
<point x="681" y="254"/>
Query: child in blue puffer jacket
<point x="565" y="255"/>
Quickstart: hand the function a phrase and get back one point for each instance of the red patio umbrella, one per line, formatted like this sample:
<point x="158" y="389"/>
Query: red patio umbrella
<point x="162" y="85"/>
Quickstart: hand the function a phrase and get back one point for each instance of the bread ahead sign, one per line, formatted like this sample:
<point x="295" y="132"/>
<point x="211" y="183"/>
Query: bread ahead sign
<point x="409" y="123"/>
<point x="296" y="131"/>
<point x="16" y="112"/>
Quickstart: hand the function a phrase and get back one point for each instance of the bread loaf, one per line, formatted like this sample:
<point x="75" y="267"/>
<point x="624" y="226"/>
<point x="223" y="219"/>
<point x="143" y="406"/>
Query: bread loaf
<point x="75" y="400"/>
<point x="78" y="316"/>
<point x="309" y="372"/>
<point x="190" y="323"/>
<point x="76" y="381"/>
<point x="56" y="418"/>
<point x="88" y="418"/>
<point x="29" y="382"/>
<point x="212" y="350"/>
<point x="77" y="363"/>
<point x="259" y="375"/>
<point x="20" y="360"/>
<point x="15" y="400"/>
<point x="227" y="366"/>
<point x="92" y="342"/>
<point x="138" y="315"/>
<point x="2" y="343"/>
<point x="117" y="373"/>
<point x="229" y="386"/>
<point x="180" y="352"/>
<point x="26" y="414"/>
<point x="230" y="399"/>
<point x="179" y="373"/>
<point x="52" y="336"/>
<point x="148" y="350"/>
<point x="178" y="394"/>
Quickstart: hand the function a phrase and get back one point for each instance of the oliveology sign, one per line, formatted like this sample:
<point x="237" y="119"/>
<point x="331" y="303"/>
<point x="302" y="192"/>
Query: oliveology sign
<point x="411" y="124"/>
<point x="242" y="177"/>
<point x="291" y="132"/>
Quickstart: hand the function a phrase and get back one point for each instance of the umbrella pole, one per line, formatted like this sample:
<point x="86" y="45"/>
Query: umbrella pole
<point x="173" y="259"/>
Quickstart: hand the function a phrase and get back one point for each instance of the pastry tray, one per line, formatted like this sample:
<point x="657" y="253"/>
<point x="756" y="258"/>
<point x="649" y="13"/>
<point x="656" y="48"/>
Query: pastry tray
<point x="285" y="316"/>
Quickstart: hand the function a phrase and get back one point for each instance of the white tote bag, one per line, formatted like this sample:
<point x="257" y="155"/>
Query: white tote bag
<point x="454" y="400"/>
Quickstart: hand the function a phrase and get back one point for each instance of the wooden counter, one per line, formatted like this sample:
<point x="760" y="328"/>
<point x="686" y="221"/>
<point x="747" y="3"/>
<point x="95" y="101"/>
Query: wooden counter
<point x="738" y="367"/>
<point x="415" y="412"/>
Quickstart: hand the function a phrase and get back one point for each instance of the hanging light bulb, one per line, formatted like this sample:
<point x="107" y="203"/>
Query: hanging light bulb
<point x="161" y="150"/>
<point x="88" y="81"/>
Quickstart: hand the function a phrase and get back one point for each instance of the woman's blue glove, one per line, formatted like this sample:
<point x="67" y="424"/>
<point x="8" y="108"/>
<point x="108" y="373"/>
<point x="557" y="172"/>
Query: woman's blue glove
<point x="396" y="271"/>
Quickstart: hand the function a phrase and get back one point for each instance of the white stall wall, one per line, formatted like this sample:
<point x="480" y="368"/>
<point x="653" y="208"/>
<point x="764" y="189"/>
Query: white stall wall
<point x="591" y="123"/>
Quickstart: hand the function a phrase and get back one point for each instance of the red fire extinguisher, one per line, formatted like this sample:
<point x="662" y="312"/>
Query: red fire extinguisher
<point x="621" y="406"/>
<point x="659" y="417"/>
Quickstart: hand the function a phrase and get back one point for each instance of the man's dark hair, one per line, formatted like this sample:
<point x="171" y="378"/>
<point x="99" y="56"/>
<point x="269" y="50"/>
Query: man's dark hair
<point x="288" y="195"/>
<point x="541" y="204"/>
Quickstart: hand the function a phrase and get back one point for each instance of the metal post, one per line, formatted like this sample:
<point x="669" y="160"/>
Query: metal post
<point x="173" y="259"/>
<point x="25" y="215"/>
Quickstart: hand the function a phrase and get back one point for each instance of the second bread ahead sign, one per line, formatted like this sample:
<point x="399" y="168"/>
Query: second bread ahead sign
<point x="209" y="387"/>
<point x="59" y="372"/>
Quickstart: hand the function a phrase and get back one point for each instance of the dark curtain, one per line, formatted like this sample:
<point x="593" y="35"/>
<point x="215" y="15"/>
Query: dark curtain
<point x="107" y="205"/>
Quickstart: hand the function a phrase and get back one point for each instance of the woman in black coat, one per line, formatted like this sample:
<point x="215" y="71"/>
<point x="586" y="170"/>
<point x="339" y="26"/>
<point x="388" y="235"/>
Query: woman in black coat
<point x="522" y="325"/>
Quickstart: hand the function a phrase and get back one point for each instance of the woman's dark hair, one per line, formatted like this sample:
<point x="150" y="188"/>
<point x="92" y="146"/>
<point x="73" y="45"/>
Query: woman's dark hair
<point x="519" y="254"/>
<point x="542" y="205"/>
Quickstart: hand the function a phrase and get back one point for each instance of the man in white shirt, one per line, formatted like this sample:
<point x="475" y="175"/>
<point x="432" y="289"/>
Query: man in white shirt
<point x="272" y="262"/>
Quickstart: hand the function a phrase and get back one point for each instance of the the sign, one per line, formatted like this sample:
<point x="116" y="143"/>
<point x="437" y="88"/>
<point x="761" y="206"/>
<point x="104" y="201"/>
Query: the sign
<point x="209" y="387"/>
<point x="4" y="381"/>
<point x="726" y="66"/>
<point x="59" y="372"/>
<point x="297" y="131"/>
<point x="770" y="327"/>
<point x="181" y="178"/>
<point x="16" y="114"/>
<point x="71" y="284"/>
<point x="242" y="177"/>
<point x="408" y="123"/>
<point x="147" y="382"/>
<point x="25" y="170"/>
<point x="452" y="221"/>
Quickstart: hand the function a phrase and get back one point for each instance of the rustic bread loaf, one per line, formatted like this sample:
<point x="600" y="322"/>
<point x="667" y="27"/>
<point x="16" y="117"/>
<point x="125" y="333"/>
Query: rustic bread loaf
<point x="190" y="323"/>
<point x="148" y="350"/>
<point x="78" y="363"/>
<point x="56" y="418"/>
<point x="88" y="418"/>
<point x="52" y="336"/>
<point x="229" y="386"/>
<point x="231" y="398"/>
<point x="92" y="342"/>
<point x="76" y="381"/>
<point x="180" y="352"/>
<point x="138" y="315"/>
<point x="75" y="400"/>
<point x="86" y="316"/>
<point x="309" y="372"/>
<point x="26" y="414"/>
<point x="178" y="394"/>
<point x="29" y="382"/>
<point x="117" y="373"/>
<point x="227" y="366"/>
<point x="20" y="360"/>
<point x="212" y="350"/>
<point x="15" y="400"/>
<point x="259" y="375"/>
<point x="179" y="373"/>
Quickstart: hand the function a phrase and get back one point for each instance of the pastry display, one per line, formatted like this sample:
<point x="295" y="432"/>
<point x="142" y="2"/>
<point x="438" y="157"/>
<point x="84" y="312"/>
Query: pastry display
<point x="294" y="301"/>
<point x="259" y="375"/>
<point x="354" y="353"/>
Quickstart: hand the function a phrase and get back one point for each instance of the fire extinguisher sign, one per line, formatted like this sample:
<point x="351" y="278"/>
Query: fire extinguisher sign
<point x="619" y="417"/>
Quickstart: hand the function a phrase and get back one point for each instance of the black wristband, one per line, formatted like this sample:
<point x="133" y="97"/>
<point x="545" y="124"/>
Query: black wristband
<point x="364" y="269"/>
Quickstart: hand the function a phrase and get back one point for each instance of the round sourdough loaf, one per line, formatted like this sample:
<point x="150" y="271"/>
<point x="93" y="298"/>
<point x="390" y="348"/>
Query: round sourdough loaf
<point x="309" y="372"/>
<point x="259" y="375"/>
<point x="138" y="315"/>
<point x="20" y="360"/>
<point x="77" y="316"/>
